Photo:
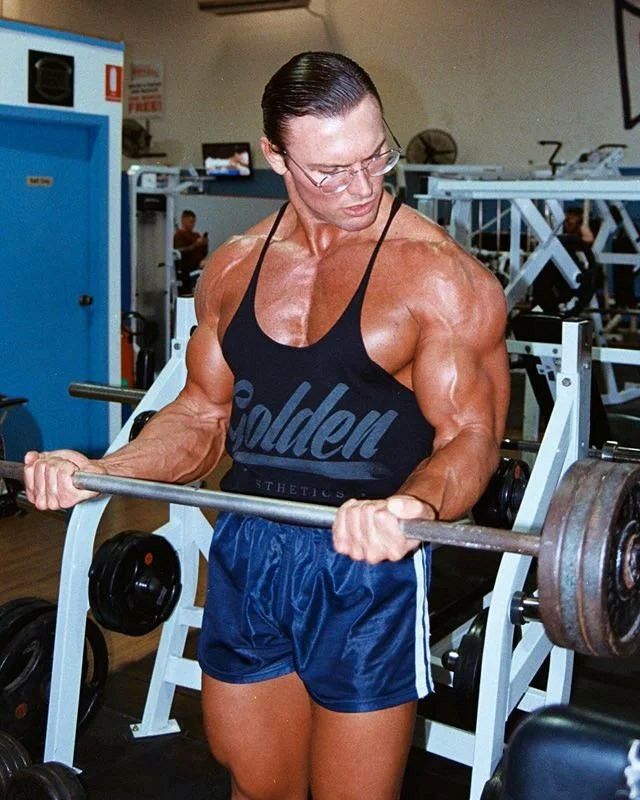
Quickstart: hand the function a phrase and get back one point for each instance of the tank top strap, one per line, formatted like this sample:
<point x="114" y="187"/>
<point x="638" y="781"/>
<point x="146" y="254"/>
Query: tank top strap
<point x="251" y="289"/>
<point x="358" y="297"/>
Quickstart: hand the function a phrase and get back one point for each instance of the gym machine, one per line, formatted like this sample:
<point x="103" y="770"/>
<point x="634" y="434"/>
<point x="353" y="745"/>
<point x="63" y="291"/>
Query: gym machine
<point x="543" y="227"/>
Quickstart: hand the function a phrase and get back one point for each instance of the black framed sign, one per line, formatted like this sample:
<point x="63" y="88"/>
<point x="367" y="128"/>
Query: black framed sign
<point x="51" y="78"/>
<point x="627" y="18"/>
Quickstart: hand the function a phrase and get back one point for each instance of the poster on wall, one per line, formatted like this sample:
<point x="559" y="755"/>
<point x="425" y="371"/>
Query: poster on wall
<point x="628" y="42"/>
<point x="145" y="90"/>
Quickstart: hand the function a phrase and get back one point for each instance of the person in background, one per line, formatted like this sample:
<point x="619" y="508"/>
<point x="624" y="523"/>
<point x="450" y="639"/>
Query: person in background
<point x="576" y="225"/>
<point x="193" y="249"/>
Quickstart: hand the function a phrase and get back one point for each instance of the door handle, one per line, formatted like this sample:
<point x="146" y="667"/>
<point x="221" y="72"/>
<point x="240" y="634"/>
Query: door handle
<point x="85" y="300"/>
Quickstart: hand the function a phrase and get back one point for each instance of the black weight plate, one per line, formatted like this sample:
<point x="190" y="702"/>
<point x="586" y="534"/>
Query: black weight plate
<point x="501" y="500"/>
<point x="25" y="677"/>
<point x="16" y="613"/>
<point x="50" y="781"/>
<point x="139" y="585"/>
<point x="139" y="422"/>
<point x="25" y="664"/>
<point x="94" y="674"/>
<point x="148" y="582"/>
<point x="468" y="667"/>
<point x="13" y="757"/>
<point x="519" y="473"/>
<point x="466" y="676"/>
<point x="103" y="604"/>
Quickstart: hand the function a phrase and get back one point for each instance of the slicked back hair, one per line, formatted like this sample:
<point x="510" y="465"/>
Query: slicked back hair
<point x="316" y="83"/>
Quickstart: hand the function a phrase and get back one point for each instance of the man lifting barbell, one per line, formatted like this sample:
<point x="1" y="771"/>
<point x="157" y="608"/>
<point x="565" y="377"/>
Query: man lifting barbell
<point x="349" y="353"/>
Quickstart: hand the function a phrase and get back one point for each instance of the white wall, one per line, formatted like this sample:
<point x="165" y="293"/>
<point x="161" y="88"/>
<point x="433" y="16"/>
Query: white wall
<point x="498" y="74"/>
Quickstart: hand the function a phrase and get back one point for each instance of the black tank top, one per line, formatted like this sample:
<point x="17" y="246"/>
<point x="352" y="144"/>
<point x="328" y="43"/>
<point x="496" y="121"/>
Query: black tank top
<point x="320" y="423"/>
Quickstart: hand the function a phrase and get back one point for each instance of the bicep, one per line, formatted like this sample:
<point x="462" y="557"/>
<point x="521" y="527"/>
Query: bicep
<point x="461" y="377"/>
<point x="209" y="379"/>
<point x="208" y="388"/>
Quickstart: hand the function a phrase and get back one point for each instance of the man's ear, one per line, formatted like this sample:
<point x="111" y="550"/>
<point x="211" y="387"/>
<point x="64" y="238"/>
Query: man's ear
<point x="272" y="156"/>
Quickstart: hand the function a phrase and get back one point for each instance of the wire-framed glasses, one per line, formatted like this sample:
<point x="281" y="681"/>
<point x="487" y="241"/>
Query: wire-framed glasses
<point x="375" y="166"/>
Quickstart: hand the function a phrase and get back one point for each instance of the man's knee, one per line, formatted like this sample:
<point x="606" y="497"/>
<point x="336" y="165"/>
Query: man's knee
<point x="255" y="778"/>
<point x="265" y="787"/>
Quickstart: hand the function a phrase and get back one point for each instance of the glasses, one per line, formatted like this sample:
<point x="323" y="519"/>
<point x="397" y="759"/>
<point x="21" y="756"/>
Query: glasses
<point x="375" y="166"/>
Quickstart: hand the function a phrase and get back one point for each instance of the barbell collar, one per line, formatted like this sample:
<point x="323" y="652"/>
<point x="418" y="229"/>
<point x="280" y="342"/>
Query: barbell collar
<point x="524" y="608"/>
<point x="102" y="391"/>
<point x="475" y="537"/>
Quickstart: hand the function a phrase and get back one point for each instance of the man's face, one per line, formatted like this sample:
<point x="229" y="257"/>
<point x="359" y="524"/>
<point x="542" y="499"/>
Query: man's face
<point x="188" y="223"/>
<point x="572" y="222"/>
<point x="323" y="146"/>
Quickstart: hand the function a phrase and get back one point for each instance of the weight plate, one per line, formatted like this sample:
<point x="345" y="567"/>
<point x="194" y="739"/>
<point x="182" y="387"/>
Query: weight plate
<point x="589" y="562"/>
<point x="25" y="677"/>
<point x="13" y="758"/>
<point x="467" y="669"/>
<point x="25" y="663"/>
<point x="50" y="781"/>
<point x="139" y="422"/>
<point x="100" y="599"/>
<point x="95" y="671"/>
<point x="466" y="675"/>
<point x="500" y="502"/>
<point x="137" y="583"/>
<point x="17" y="613"/>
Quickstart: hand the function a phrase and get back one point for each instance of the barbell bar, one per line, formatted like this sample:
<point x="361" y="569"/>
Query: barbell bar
<point x="104" y="391"/>
<point x="289" y="511"/>
<point x="610" y="451"/>
<point x="588" y="550"/>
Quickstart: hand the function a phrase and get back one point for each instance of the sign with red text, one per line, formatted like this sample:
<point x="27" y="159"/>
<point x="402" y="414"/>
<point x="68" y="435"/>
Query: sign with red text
<point x="145" y="97"/>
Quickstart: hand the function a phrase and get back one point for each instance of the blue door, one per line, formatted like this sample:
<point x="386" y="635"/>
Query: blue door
<point x="53" y="276"/>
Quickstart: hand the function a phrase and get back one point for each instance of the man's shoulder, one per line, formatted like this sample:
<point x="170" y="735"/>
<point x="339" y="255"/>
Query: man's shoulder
<point x="421" y="240"/>
<point x="435" y="269"/>
<point x="242" y="244"/>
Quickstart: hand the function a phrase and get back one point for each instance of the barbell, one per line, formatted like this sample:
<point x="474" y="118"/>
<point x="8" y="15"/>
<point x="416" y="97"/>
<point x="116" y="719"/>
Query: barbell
<point x="588" y="550"/>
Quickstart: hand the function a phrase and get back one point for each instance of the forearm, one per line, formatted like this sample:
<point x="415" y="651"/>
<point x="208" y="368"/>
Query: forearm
<point x="454" y="477"/>
<point x="177" y="446"/>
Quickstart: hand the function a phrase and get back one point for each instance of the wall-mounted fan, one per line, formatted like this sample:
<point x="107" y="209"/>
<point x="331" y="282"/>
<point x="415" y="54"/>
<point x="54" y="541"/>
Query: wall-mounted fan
<point x="432" y="146"/>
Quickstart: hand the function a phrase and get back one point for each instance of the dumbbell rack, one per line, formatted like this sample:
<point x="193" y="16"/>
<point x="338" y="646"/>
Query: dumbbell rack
<point x="506" y="673"/>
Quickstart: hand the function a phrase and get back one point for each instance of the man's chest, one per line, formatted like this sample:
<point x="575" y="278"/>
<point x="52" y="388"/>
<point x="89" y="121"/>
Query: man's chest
<point x="301" y="306"/>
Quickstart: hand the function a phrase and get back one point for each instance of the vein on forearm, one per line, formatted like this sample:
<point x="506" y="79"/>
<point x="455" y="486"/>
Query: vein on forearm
<point x="179" y="444"/>
<point x="456" y="474"/>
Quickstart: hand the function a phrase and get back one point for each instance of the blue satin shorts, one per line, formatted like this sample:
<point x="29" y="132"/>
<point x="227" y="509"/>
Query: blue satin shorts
<point x="281" y="600"/>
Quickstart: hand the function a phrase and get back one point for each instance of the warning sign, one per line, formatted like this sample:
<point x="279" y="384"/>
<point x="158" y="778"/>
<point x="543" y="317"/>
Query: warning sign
<point x="146" y="89"/>
<point x="113" y="82"/>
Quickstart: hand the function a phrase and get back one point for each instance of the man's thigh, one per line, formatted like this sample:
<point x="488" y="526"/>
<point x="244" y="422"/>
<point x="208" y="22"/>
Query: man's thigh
<point x="261" y="733"/>
<point x="360" y="755"/>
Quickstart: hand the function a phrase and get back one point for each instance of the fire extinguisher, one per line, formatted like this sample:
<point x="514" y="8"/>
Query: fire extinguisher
<point x="144" y="333"/>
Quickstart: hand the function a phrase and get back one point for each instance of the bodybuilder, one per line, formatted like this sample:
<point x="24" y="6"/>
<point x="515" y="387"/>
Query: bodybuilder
<point x="347" y="352"/>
